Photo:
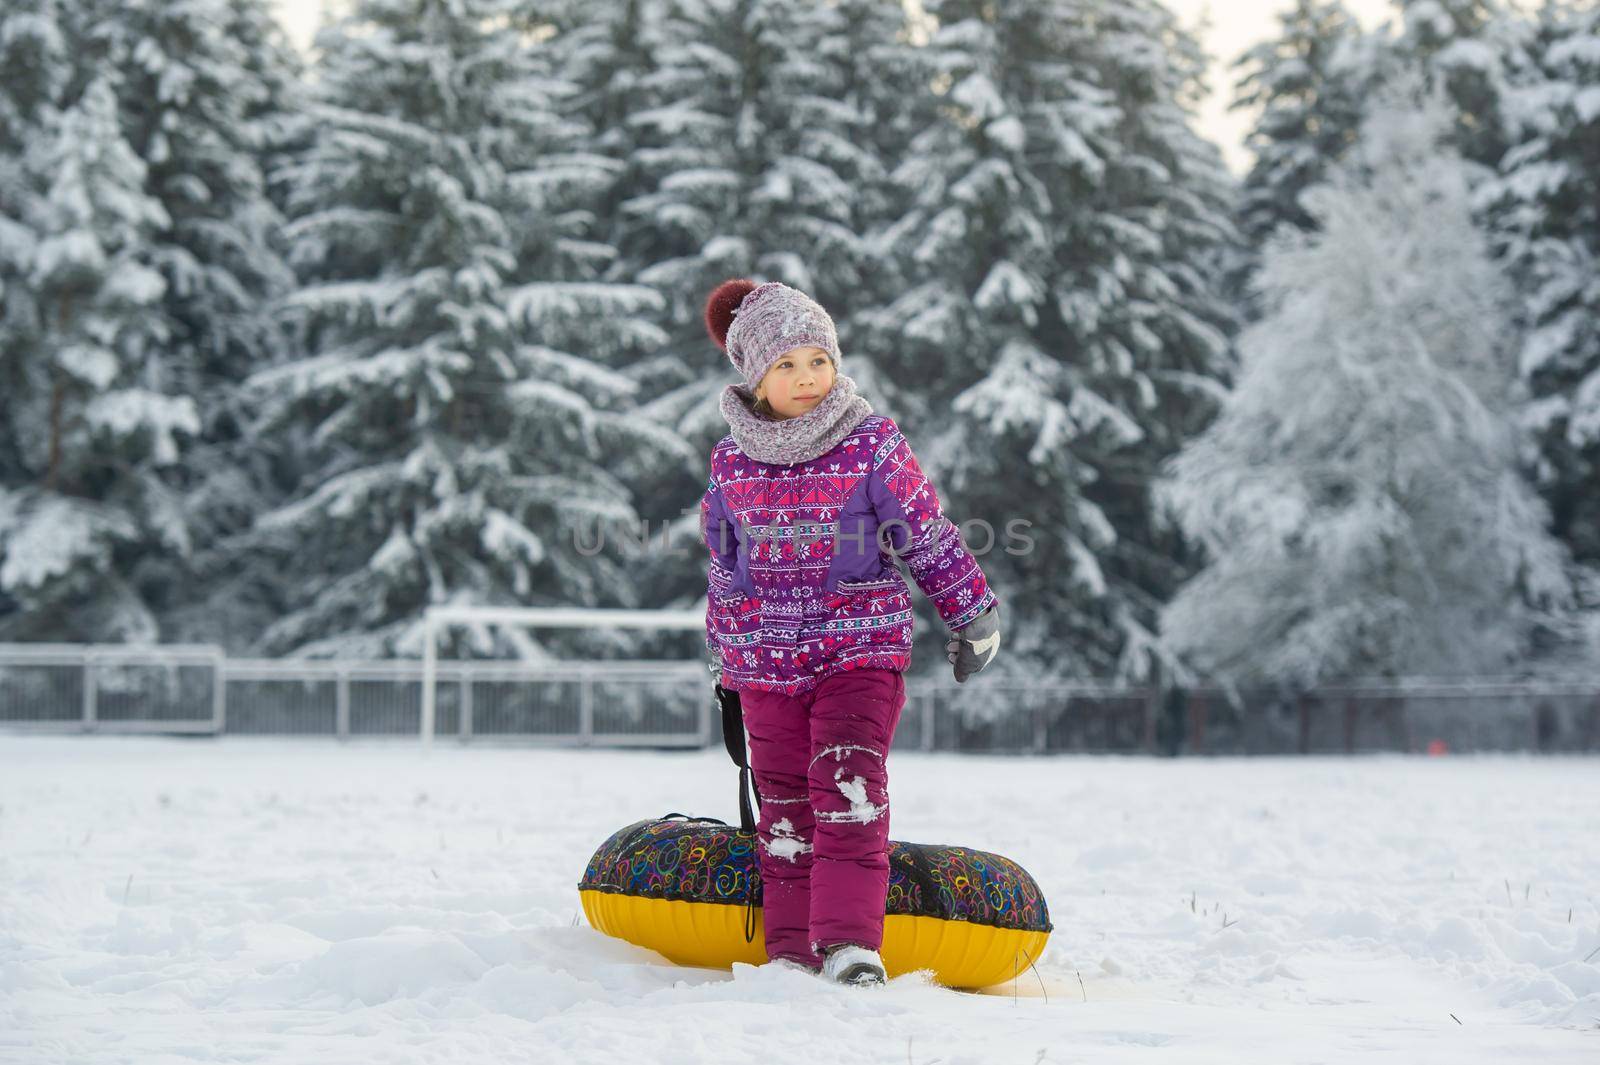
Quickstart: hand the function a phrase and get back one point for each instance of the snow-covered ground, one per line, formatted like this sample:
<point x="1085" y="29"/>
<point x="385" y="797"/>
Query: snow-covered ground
<point x="241" y="900"/>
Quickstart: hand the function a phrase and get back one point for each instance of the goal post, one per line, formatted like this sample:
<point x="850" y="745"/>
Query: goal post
<point x="440" y="618"/>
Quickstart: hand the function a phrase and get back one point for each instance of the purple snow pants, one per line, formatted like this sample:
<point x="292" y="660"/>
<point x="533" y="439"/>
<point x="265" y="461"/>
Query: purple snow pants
<point x="823" y="836"/>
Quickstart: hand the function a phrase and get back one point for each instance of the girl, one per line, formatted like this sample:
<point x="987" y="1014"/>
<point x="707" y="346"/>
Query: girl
<point x="811" y="497"/>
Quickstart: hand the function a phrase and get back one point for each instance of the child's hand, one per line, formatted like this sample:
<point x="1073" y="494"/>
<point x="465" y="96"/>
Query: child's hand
<point x="713" y="662"/>
<point x="975" y="645"/>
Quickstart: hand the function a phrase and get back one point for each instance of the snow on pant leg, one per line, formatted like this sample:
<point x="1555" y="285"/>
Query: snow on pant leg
<point x="853" y="717"/>
<point x="780" y="748"/>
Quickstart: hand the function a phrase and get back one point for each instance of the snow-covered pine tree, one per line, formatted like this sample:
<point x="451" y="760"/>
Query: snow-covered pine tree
<point x="93" y="423"/>
<point x="886" y="82"/>
<point x="1545" y="206"/>
<point x="35" y="50"/>
<point x="747" y="140"/>
<point x="873" y="53"/>
<point x="1313" y="81"/>
<point x="33" y="73"/>
<point x="275" y="77"/>
<point x="1062" y="332"/>
<point x="1359" y="496"/>
<point x="603" y="52"/>
<point x="208" y="100"/>
<point x="193" y="102"/>
<point x="1310" y="84"/>
<point x="454" y="417"/>
<point x="741" y="165"/>
<point x="1465" y="47"/>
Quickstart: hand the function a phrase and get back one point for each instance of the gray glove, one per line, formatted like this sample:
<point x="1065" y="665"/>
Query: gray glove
<point x="974" y="647"/>
<point x="713" y="662"/>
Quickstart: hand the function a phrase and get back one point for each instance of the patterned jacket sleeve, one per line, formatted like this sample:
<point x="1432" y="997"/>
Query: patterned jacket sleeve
<point x="915" y="527"/>
<point x="721" y="535"/>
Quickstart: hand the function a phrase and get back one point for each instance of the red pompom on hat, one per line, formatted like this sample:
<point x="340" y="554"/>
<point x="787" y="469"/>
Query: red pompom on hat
<point x="721" y="304"/>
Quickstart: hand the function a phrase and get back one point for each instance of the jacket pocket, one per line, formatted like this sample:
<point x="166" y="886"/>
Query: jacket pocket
<point x="891" y="583"/>
<point x="735" y="616"/>
<point x="874" y="595"/>
<point x="728" y="600"/>
<point x="719" y="585"/>
<point x="737" y="628"/>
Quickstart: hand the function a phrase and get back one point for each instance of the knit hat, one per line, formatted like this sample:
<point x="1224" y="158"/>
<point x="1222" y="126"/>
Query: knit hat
<point x="757" y="324"/>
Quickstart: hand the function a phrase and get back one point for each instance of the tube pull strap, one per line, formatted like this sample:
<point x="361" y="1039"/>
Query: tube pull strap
<point x="733" y="740"/>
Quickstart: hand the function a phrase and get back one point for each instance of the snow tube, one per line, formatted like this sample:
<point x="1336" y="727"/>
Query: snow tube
<point x="690" y="889"/>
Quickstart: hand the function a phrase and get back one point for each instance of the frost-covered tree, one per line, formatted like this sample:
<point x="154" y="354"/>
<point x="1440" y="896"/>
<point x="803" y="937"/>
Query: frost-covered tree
<point x="891" y="91"/>
<point x="1466" y="48"/>
<point x="749" y="139"/>
<point x="1359" y="496"/>
<point x="743" y="162"/>
<point x="1545" y="206"/>
<point x="1313" y="82"/>
<point x="202" y="90"/>
<point x="604" y="51"/>
<point x="1061" y="329"/>
<point x="93" y="425"/>
<point x="198" y="108"/>
<point x="209" y="101"/>
<point x="458" y="426"/>
<point x="35" y="50"/>
<point x="33" y="73"/>
<point x="1310" y="85"/>
<point x="275" y="77"/>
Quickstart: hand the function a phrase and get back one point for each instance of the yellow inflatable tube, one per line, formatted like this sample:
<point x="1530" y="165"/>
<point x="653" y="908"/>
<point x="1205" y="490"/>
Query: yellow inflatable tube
<point x="690" y="890"/>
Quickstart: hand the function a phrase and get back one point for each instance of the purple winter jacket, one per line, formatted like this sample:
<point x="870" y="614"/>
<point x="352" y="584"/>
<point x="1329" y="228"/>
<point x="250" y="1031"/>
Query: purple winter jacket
<point x="799" y="586"/>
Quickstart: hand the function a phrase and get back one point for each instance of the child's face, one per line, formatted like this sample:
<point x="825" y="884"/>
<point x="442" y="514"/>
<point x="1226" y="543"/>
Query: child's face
<point x="797" y="382"/>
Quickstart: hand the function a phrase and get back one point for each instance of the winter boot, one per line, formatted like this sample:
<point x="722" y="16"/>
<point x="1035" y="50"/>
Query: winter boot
<point x="847" y="963"/>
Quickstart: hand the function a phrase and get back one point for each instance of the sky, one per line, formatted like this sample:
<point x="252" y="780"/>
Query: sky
<point x="1234" y="26"/>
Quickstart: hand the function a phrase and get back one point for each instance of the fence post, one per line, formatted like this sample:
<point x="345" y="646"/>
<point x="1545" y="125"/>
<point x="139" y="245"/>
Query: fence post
<point x="1040" y="732"/>
<point x="89" y="694"/>
<point x="705" y="718"/>
<point x="1303" y="704"/>
<point x="466" y="706"/>
<point x="430" y="677"/>
<point x="341" y="703"/>
<point x="586" y="709"/>
<point x="1152" y="708"/>
<point x="219" y="693"/>
<point x="927" y="720"/>
<point x="1199" y="705"/>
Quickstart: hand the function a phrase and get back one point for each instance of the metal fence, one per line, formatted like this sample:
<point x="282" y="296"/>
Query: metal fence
<point x="1408" y="714"/>
<point x="197" y="689"/>
<point x="98" y="688"/>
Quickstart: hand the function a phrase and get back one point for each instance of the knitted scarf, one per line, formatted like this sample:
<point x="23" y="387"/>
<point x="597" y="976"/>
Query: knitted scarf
<point x="784" y="441"/>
